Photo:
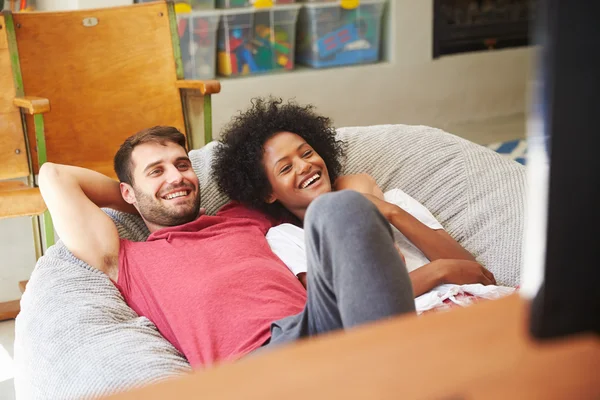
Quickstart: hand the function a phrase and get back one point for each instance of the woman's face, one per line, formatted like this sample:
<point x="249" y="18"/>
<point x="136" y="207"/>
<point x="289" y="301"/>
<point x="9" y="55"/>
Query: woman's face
<point x="295" y="171"/>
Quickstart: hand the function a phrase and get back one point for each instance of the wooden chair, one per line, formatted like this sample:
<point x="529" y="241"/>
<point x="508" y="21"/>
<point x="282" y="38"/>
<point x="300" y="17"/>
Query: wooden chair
<point x="18" y="195"/>
<point x="107" y="74"/>
<point x="86" y="80"/>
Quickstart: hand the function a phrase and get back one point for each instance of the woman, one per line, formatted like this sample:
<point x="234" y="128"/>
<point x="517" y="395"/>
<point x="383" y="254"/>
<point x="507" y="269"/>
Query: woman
<point x="279" y="157"/>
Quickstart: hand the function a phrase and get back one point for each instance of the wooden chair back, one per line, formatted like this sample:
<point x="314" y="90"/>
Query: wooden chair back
<point x="108" y="74"/>
<point x="13" y="152"/>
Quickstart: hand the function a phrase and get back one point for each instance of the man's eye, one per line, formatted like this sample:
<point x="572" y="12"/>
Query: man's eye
<point x="183" y="167"/>
<point x="155" y="172"/>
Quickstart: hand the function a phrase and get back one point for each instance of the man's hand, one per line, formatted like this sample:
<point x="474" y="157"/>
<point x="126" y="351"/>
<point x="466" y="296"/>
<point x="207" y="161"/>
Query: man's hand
<point x="463" y="272"/>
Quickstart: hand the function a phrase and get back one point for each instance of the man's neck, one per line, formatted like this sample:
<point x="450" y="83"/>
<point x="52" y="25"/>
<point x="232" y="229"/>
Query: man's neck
<point x="153" y="227"/>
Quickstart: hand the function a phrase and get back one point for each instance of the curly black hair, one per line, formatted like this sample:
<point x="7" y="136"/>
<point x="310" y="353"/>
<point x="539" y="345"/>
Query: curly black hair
<point x="238" y="159"/>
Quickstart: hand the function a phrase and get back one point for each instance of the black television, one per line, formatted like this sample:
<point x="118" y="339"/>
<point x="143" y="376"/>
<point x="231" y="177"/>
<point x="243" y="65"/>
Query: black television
<point x="562" y="242"/>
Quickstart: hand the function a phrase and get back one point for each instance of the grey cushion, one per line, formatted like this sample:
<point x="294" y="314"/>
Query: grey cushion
<point x="476" y="194"/>
<point x="76" y="337"/>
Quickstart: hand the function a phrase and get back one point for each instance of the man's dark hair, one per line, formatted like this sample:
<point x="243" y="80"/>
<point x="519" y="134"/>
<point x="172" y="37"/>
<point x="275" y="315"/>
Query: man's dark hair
<point x="157" y="134"/>
<point x="238" y="166"/>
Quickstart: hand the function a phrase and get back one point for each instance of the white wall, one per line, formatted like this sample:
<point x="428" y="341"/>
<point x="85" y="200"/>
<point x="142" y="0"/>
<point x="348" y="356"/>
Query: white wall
<point x="410" y="88"/>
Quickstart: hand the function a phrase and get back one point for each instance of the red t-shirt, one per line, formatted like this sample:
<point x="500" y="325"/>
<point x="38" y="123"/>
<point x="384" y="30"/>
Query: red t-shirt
<point x="212" y="286"/>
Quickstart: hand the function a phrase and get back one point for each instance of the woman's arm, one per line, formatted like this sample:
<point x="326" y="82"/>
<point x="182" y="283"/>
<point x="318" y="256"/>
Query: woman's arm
<point x="287" y="242"/>
<point x="302" y="278"/>
<point x="435" y="244"/>
<point x="362" y="183"/>
<point x="439" y="272"/>
<point x="450" y="262"/>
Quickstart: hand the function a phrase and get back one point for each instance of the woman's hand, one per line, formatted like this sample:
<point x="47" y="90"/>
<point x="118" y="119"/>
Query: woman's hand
<point x="388" y="210"/>
<point x="463" y="272"/>
<point x="362" y="183"/>
<point x="435" y="244"/>
<point x="459" y="272"/>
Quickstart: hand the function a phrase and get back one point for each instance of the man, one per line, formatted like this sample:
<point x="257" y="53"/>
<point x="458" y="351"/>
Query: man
<point x="211" y="284"/>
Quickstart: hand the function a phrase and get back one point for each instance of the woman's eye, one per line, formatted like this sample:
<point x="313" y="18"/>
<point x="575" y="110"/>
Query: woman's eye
<point x="285" y="169"/>
<point x="307" y="153"/>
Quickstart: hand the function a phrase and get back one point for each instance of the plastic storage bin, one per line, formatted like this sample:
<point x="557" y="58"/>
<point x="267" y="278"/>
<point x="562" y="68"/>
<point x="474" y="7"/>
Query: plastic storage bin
<point x="329" y="35"/>
<point x="197" y="40"/>
<point x="189" y="5"/>
<point x="252" y="41"/>
<point x="251" y="3"/>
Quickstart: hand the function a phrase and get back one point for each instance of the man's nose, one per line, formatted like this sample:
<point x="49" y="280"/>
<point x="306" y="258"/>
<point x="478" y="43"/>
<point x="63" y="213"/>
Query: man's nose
<point x="174" y="175"/>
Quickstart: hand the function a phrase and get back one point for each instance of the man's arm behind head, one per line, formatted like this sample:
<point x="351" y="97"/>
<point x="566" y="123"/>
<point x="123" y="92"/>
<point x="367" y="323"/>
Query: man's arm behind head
<point x="74" y="196"/>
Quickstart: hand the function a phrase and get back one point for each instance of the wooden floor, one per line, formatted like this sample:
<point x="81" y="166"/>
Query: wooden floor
<point x="9" y="309"/>
<point x="480" y="352"/>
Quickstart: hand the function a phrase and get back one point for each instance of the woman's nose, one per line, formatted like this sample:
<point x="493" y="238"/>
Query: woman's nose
<point x="303" y="167"/>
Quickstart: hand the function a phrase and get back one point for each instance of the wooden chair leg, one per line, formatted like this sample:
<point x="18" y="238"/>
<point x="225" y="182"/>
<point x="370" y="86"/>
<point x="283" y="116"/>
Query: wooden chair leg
<point x="9" y="309"/>
<point x="37" y="236"/>
<point x="48" y="230"/>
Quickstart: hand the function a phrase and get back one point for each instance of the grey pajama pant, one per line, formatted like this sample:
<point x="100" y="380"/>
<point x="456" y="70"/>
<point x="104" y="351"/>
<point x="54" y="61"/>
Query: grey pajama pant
<point x="355" y="274"/>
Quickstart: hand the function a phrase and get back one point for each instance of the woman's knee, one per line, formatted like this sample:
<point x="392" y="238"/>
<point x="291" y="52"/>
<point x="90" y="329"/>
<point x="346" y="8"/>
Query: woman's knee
<point x="338" y="207"/>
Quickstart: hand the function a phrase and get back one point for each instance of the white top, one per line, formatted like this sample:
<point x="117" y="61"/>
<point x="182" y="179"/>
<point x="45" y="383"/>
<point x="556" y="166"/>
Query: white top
<point x="287" y="240"/>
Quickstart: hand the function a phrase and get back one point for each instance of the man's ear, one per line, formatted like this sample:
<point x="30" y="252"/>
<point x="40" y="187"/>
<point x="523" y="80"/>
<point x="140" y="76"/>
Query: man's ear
<point x="271" y="199"/>
<point x="127" y="193"/>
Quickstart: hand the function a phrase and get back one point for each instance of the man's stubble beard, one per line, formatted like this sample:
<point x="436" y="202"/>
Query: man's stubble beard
<point x="152" y="211"/>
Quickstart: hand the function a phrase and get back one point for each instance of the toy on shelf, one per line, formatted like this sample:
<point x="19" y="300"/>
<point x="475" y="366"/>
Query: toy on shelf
<point x="197" y="39"/>
<point x="272" y="48"/>
<point x="262" y="43"/>
<point x="232" y="3"/>
<point x="251" y="3"/>
<point x="202" y="4"/>
<point x="186" y="6"/>
<point x="17" y="6"/>
<point x="331" y="34"/>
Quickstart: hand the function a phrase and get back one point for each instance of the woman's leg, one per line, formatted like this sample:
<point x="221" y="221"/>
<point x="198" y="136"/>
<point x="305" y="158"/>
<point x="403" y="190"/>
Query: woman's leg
<point x="355" y="275"/>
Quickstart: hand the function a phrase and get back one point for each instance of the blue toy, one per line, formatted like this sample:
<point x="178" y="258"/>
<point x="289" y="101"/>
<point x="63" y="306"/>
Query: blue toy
<point x="236" y="33"/>
<point x="335" y="41"/>
<point x="245" y="56"/>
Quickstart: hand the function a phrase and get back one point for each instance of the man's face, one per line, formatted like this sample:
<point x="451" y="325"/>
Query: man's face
<point x="165" y="188"/>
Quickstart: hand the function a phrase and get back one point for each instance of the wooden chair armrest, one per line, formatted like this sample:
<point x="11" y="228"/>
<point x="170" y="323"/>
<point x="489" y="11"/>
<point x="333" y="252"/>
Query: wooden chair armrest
<point x="205" y="87"/>
<point x="33" y="105"/>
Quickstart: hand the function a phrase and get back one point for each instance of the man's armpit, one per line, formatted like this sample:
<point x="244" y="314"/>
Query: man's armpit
<point x="110" y="266"/>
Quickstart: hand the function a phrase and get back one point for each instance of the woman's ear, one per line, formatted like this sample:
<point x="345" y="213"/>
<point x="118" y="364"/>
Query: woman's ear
<point x="271" y="199"/>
